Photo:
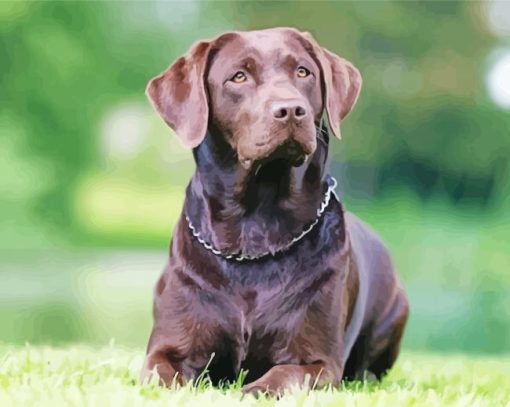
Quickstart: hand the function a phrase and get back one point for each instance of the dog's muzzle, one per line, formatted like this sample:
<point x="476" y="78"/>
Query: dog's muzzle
<point x="292" y="151"/>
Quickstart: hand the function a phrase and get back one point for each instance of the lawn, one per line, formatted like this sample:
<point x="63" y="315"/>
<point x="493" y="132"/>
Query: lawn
<point x="81" y="375"/>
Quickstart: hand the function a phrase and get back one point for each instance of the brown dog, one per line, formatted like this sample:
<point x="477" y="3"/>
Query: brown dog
<point x="267" y="273"/>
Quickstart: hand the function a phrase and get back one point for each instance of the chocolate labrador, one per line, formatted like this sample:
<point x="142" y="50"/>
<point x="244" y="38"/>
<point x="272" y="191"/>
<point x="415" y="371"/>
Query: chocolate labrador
<point x="267" y="271"/>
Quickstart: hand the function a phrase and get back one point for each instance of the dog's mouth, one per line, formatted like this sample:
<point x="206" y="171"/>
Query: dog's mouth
<point x="271" y="171"/>
<point x="277" y="164"/>
<point x="291" y="152"/>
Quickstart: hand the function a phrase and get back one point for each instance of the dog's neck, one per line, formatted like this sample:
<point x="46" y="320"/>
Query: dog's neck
<point x="251" y="211"/>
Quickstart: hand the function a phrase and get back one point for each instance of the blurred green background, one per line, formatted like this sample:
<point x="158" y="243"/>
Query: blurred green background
<point x="91" y="180"/>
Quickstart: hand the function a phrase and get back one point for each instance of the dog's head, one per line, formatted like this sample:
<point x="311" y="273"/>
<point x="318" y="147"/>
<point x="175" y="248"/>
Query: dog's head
<point x="264" y="90"/>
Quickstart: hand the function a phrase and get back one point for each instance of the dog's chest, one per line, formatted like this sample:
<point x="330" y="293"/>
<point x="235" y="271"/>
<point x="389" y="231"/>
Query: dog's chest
<point x="261" y="305"/>
<point x="273" y="291"/>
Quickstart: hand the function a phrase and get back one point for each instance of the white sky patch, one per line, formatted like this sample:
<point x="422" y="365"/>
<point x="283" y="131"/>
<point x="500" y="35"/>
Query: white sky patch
<point x="124" y="131"/>
<point x="498" y="79"/>
<point x="498" y="17"/>
<point x="176" y="17"/>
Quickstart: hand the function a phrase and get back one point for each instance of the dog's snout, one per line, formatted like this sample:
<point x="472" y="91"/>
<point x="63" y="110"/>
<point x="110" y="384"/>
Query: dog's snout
<point x="288" y="110"/>
<point x="300" y="111"/>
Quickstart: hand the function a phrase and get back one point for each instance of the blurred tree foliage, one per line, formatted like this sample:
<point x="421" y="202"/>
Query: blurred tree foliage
<point x="423" y="120"/>
<point x="63" y="65"/>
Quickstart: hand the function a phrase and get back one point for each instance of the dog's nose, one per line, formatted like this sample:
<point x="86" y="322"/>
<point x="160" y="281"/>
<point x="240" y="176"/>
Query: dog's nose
<point x="286" y="110"/>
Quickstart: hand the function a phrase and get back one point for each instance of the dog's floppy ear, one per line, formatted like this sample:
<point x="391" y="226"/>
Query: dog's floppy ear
<point x="341" y="84"/>
<point x="178" y="95"/>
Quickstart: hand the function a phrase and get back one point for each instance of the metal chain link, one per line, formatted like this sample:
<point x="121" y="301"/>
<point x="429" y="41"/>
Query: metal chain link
<point x="242" y="257"/>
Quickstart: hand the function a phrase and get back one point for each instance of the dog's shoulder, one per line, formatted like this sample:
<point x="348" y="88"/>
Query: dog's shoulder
<point x="370" y="252"/>
<point x="361" y="233"/>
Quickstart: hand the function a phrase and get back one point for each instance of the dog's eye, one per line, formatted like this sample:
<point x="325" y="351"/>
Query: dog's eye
<point x="302" y="72"/>
<point x="239" y="77"/>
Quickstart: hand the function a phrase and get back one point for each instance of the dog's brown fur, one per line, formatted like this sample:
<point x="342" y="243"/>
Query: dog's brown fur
<point x="330" y="306"/>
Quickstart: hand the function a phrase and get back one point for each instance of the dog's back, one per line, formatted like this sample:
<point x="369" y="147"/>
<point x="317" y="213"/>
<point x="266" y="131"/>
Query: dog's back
<point x="381" y="310"/>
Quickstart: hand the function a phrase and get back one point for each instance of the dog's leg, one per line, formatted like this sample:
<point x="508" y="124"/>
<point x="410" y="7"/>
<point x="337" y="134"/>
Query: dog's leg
<point x="281" y="377"/>
<point x="171" y="335"/>
<point x="386" y="345"/>
<point x="160" y="363"/>
<point x="187" y="338"/>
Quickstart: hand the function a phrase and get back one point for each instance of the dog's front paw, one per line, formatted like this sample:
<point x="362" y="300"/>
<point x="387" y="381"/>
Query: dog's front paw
<point x="258" y="388"/>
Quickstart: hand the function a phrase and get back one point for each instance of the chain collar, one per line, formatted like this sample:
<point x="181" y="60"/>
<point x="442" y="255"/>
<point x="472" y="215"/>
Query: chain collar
<point x="241" y="257"/>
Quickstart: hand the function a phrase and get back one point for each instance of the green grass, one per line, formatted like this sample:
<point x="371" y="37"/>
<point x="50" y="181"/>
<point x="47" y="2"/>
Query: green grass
<point x="82" y="375"/>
